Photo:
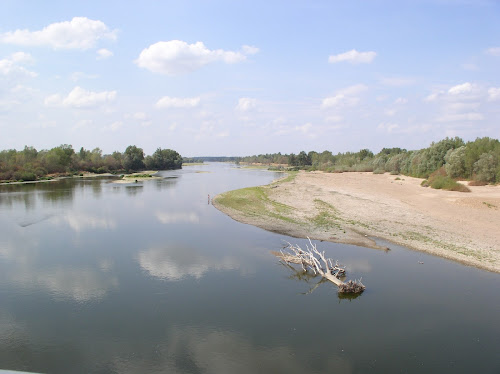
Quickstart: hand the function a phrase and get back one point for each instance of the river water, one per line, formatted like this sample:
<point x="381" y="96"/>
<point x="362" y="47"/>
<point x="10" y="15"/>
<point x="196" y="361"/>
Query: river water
<point x="147" y="277"/>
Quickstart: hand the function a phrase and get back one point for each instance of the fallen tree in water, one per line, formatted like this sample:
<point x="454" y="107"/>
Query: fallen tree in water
<point x="313" y="260"/>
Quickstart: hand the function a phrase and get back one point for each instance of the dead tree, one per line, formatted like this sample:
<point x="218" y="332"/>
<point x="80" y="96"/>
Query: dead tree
<point x="313" y="260"/>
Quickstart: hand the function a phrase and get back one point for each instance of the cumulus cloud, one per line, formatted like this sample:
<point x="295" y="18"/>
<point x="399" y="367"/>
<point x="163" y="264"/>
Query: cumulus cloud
<point x="249" y="50"/>
<point x="177" y="102"/>
<point x="345" y="97"/>
<point x="453" y="117"/>
<point x="14" y="64"/>
<point x="141" y="116"/>
<point x="388" y="127"/>
<point x="81" y="98"/>
<point x="460" y="89"/>
<point x="79" y="75"/>
<point x="494" y="93"/>
<point x="176" y="57"/>
<point x="245" y="104"/>
<point x="353" y="57"/>
<point x="493" y="51"/>
<point x="79" y="33"/>
<point x="104" y="53"/>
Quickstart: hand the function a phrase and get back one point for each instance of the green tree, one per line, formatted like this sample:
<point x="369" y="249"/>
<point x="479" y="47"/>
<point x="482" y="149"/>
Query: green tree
<point x="133" y="158"/>
<point x="455" y="162"/>
<point x="486" y="167"/>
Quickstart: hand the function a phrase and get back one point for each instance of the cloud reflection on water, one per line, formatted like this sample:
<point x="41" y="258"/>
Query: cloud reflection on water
<point x="82" y="221"/>
<point x="205" y="350"/>
<point x="174" y="262"/>
<point x="166" y="218"/>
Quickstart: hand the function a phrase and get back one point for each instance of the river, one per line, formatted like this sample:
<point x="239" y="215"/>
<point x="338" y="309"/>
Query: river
<point x="148" y="277"/>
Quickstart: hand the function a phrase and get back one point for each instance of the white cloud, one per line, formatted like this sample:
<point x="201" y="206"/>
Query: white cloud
<point x="176" y="57"/>
<point x="140" y="116"/>
<point x="177" y="102"/>
<point x="245" y="104"/>
<point x="304" y="129"/>
<point x="433" y="96"/>
<point x="388" y="127"/>
<point x="494" y="93"/>
<point x="400" y="101"/>
<point x="104" y="53"/>
<point x="14" y="64"/>
<point x="79" y="33"/>
<point x="115" y="126"/>
<point x="344" y="97"/>
<point x="450" y="117"/>
<point x="354" y="57"/>
<point x="494" y="51"/>
<point x="80" y="98"/>
<point x="77" y="75"/>
<point x="249" y="50"/>
<point x="460" y="89"/>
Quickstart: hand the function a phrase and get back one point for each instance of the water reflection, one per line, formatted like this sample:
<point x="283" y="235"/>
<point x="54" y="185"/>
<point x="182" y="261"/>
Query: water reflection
<point x="81" y="285"/>
<point x="180" y="217"/>
<point x="163" y="282"/>
<point x="198" y="349"/>
<point x="133" y="190"/>
<point x="165" y="183"/>
<point x="176" y="261"/>
<point x="79" y="222"/>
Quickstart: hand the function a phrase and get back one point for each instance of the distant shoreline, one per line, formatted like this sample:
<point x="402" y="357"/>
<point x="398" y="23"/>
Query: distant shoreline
<point x="90" y="175"/>
<point x="353" y="207"/>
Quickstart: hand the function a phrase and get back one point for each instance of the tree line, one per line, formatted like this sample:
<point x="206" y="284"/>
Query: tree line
<point x="477" y="160"/>
<point x="30" y="164"/>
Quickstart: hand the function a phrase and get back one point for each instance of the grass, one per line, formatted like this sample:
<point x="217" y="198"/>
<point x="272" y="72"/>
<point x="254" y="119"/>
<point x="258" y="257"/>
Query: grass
<point x="328" y="217"/>
<point x="489" y="205"/>
<point x="411" y="235"/>
<point x="289" y="178"/>
<point x="254" y="202"/>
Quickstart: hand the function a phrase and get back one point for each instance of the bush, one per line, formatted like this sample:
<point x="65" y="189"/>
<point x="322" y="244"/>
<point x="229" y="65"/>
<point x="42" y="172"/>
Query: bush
<point x="441" y="181"/>
<point x="379" y="171"/>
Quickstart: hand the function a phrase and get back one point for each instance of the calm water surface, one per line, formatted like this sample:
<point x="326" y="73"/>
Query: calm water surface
<point x="99" y="277"/>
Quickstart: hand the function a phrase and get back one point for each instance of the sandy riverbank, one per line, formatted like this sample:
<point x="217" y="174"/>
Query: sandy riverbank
<point x="352" y="207"/>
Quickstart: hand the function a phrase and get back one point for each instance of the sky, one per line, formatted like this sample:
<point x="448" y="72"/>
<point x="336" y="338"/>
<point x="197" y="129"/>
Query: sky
<point x="236" y="77"/>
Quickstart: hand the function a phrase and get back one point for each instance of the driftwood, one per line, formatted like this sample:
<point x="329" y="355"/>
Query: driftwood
<point x="313" y="260"/>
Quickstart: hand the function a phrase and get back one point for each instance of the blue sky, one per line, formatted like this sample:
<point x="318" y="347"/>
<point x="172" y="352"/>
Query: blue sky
<point x="248" y="77"/>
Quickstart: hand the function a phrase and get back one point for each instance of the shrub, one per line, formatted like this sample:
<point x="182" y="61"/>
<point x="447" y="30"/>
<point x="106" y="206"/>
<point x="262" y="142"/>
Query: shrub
<point x="441" y="181"/>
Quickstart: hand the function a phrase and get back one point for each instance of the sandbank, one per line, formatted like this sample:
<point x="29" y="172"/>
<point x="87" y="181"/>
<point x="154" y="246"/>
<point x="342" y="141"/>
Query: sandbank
<point x="353" y="208"/>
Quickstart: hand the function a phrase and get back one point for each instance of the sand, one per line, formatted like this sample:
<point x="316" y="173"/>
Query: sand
<point x="464" y="227"/>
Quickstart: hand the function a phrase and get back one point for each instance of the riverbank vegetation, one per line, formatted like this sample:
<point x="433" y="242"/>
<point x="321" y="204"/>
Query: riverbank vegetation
<point x="477" y="161"/>
<point x="30" y="164"/>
